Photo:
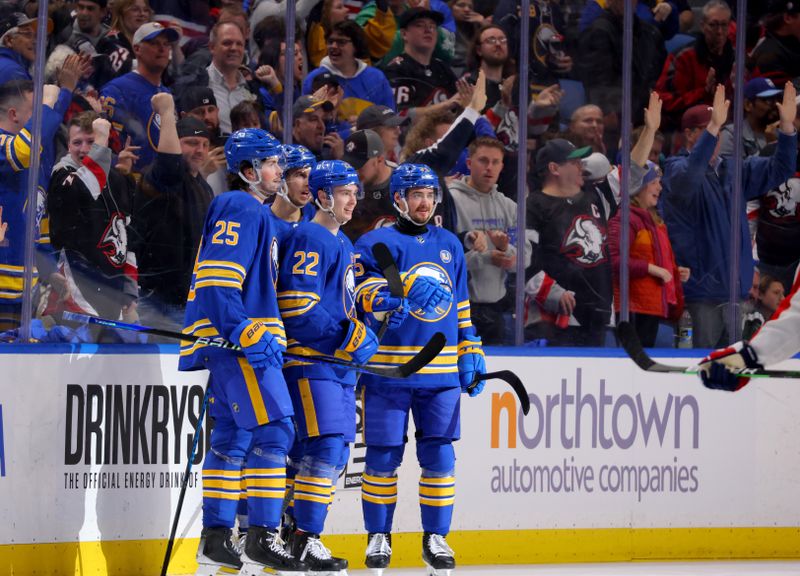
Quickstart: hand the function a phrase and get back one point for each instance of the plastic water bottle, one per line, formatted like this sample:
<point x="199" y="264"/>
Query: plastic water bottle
<point x="685" y="330"/>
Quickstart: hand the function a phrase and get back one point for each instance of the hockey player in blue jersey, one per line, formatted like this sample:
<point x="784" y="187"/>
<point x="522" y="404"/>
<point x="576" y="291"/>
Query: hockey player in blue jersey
<point x="316" y="295"/>
<point x="432" y="395"/>
<point x="233" y="296"/>
<point x="292" y="203"/>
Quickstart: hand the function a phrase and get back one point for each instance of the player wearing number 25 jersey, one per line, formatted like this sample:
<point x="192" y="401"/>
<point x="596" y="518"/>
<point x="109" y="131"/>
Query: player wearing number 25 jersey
<point x="232" y="296"/>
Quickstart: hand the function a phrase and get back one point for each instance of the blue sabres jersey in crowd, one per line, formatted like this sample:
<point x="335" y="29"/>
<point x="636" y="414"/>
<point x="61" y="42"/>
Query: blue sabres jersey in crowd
<point x="126" y="101"/>
<point x="437" y="253"/>
<point x="316" y="295"/>
<point x="234" y="278"/>
<point x="15" y="159"/>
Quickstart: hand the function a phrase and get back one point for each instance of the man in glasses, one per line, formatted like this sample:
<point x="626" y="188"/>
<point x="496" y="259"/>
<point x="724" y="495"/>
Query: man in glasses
<point x="17" y="45"/>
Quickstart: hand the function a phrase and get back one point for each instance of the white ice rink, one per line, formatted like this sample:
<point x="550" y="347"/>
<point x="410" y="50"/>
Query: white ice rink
<point x="772" y="568"/>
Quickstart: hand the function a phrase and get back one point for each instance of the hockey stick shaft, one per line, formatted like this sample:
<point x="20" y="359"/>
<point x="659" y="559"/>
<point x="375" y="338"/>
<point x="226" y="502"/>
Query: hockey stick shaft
<point x="629" y="340"/>
<point x="185" y="482"/>
<point x="386" y="262"/>
<point x="428" y="352"/>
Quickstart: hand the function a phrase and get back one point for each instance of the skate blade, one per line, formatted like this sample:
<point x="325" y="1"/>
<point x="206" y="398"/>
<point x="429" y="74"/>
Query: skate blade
<point x="376" y="571"/>
<point x="250" y="568"/>
<point x="327" y="573"/>
<point x="440" y="572"/>
<point x="215" y="570"/>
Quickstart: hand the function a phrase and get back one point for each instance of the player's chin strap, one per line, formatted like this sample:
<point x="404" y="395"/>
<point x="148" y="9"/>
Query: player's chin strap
<point x="283" y="192"/>
<point x="252" y="185"/>
<point x="405" y="215"/>
<point x="329" y="211"/>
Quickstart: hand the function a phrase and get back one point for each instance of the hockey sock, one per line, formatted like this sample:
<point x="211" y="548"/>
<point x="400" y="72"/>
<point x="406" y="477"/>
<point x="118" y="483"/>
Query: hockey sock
<point x="222" y="473"/>
<point x="313" y="484"/>
<point x="379" y="487"/>
<point x="265" y="472"/>
<point x="437" y="484"/>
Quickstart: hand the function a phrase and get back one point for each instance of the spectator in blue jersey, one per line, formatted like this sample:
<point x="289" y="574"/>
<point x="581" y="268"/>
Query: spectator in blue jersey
<point x="169" y="208"/>
<point x="696" y="206"/>
<point x="16" y="110"/>
<point x="126" y="100"/>
<point x="17" y="45"/>
<point x="363" y="85"/>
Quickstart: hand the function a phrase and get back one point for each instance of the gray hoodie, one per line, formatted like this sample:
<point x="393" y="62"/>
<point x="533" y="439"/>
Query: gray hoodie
<point x="492" y="211"/>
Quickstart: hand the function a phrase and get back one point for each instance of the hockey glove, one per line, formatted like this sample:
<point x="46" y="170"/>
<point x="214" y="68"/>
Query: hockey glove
<point x="719" y="369"/>
<point x="395" y="317"/>
<point x="425" y="292"/>
<point x="471" y="362"/>
<point x="381" y="301"/>
<point x="259" y="346"/>
<point x="360" y="342"/>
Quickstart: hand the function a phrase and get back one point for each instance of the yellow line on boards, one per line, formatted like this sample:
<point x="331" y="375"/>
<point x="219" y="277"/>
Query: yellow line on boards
<point x="144" y="557"/>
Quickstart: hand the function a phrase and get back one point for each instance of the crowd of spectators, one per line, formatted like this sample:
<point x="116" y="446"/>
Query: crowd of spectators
<point x="141" y="95"/>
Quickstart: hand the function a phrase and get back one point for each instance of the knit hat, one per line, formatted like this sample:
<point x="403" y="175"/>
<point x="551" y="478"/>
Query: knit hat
<point x="653" y="173"/>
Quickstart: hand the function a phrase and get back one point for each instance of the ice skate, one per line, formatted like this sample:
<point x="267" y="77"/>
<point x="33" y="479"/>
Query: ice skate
<point x="437" y="555"/>
<point x="379" y="553"/>
<point x="309" y="548"/>
<point x="216" y="554"/>
<point x="288" y="526"/>
<point x="264" y="553"/>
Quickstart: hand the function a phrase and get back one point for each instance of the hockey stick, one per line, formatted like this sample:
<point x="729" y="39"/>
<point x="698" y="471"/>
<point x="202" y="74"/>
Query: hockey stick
<point x="184" y="483"/>
<point x="385" y="260"/>
<point x="512" y="380"/>
<point x="629" y="340"/>
<point x="420" y="360"/>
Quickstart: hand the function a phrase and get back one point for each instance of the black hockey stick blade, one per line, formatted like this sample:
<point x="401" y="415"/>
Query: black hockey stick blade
<point x="630" y="342"/>
<point x="512" y="380"/>
<point x="385" y="260"/>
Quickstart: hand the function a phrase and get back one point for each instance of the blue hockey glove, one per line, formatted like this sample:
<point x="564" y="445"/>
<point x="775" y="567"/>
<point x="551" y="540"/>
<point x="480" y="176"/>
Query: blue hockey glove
<point x="381" y="301"/>
<point x="471" y="362"/>
<point x="259" y="346"/>
<point x="719" y="369"/>
<point x="360" y="342"/>
<point x="425" y="292"/>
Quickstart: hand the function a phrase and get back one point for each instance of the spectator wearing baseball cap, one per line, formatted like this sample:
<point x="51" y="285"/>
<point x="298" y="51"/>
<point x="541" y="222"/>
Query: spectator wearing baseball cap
<point x="171" y="202"/>
<point x="442" y="16"/>
<point x="570" y="292"/>
<point x="696" y="203"/>
<point x="362" y="84"/>
<point x="760" y="111"/>
<point x="420" y="79"/>
<point x="199" y="102"/>
<point x="308" y="128"/>
<point x="387" y="123"/>
<point x="364" y="151"/>
<point x="126" y="100"/>
<point x="777" y="54"/>
<point x="17" y="45"/>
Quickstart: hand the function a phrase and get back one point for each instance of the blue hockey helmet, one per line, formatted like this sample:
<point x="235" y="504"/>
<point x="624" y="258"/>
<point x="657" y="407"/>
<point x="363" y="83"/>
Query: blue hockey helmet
<point x="329" y="174"/>
<point x="251" y="145"/>
<point x="297" y="156"/>
<point x="408" y="176"/>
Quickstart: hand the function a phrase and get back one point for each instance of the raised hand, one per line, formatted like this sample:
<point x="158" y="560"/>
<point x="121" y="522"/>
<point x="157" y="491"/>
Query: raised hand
<point x="788" y="109"/>
<point x="478" y="102"/>
<point x="101" y="129"/>
<point x="719" y="111"/>
<point x="652" y="114"/>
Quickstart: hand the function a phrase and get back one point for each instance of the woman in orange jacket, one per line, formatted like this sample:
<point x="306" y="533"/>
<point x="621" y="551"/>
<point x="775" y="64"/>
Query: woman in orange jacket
<point x="655" y="278"/>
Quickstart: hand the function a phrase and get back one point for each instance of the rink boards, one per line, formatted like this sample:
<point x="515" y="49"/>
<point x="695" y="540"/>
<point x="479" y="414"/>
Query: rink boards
<point x="610" y="464"/>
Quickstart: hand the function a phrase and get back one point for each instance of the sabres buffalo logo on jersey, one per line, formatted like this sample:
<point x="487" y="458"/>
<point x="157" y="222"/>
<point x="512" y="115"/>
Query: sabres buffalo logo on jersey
<point x="114" y="242"/>
<point x="783" y="200"/>
<point x="439" y="274"/>
<point x="273" y="261"/>
<point x="349" y="290"/>
<point x="584" y="242"/>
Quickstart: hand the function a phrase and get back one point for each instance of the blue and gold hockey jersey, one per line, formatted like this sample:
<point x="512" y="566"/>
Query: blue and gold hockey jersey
<point x="437" y="253"/>
<point x="235" y="276"/>
<point x="316" y="295"/>
<point x="15" y="158"/>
